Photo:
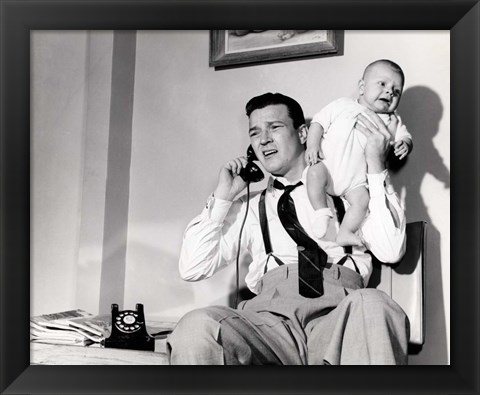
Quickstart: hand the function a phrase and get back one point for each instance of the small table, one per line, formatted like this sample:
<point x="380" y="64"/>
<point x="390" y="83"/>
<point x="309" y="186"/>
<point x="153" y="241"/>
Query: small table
<point x="54" y="354"/>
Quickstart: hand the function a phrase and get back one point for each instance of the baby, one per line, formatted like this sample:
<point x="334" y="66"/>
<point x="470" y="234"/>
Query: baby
<point x="335" y="149"/>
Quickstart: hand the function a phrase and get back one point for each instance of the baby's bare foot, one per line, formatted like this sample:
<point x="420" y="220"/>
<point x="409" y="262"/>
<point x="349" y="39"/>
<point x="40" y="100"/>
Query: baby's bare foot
<point x="321" y="220"/>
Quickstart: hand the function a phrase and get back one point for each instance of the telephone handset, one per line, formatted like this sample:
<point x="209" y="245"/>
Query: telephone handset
<point x="129" y="330"/>
<point x="251" y="172"/>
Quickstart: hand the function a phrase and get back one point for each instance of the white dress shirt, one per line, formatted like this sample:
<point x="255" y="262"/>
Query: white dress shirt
<point x="211" y="239"/>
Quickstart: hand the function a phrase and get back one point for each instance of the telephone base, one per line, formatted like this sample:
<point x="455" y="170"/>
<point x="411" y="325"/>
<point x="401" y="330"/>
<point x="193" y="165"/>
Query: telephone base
<point x="145" y="344"/>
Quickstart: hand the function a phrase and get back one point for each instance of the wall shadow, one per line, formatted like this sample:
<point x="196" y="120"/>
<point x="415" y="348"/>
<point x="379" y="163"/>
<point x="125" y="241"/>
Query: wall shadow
<point x="421" y="110"/>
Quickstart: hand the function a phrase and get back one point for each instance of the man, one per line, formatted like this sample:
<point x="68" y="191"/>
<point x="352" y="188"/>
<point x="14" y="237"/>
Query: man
<point x="342" y="323"/>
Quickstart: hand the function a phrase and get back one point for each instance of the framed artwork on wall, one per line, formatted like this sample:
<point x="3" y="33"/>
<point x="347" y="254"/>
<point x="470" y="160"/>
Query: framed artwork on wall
<point x="242" y="47"/>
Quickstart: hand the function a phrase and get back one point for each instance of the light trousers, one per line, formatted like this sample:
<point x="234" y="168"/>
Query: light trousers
<point x="347" y="325"/>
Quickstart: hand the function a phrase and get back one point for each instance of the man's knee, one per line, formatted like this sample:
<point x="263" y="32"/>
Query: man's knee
<point x="374" y="301"/>
<point x="384" y="323"/>
<point x="194" y="340"/>
<point x="196" y="326"/>
<point x="367" y="294"/>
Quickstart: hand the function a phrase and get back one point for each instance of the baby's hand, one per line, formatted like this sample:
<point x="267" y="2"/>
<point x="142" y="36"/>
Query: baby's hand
<point x="401" y="149"/>
<point x="313" y="155"/>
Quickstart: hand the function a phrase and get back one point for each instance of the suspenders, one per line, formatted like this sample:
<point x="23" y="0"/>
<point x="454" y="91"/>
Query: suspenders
<point x="266" y="232"/>
<point x="340" y="209"/>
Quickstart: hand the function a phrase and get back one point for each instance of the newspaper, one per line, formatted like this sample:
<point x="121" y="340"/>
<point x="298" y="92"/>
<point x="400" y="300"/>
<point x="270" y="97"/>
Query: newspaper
<point x="76" y="327"/>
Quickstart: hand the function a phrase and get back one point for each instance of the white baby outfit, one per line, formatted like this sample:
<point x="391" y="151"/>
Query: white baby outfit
<point x="343" y="146"/>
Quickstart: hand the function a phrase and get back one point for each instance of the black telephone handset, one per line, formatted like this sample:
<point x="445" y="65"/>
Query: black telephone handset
<point x="251" y="172"/>
<point x="129" y="330"/>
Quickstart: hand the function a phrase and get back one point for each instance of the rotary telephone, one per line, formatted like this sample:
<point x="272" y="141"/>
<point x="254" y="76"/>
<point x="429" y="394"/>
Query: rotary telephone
<point x="129" y="330"/>
<point x="251" y="172"/>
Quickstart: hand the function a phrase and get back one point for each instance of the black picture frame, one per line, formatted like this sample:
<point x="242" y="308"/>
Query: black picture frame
<point x="18" y="17"/>
<point x="267" y="46"/>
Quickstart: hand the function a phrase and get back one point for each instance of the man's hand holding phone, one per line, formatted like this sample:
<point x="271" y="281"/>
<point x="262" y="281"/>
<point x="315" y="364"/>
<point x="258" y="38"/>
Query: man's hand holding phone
<point x="230" y="184"/>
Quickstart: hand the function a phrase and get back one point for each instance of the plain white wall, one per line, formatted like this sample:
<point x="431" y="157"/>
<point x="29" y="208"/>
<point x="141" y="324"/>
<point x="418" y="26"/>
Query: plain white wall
<point x="188" y="120"/>
<point x="58" y="76"/>
<point x="70" y="111"/>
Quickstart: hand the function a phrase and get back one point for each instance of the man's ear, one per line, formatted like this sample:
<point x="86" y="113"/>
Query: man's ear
<point x="302" y="133"/>
<point x="361" y="87"/>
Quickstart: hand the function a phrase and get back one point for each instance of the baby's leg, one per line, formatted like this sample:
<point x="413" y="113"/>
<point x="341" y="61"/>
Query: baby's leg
<point x="317" y="179"/>
<point x="358" y="199"/>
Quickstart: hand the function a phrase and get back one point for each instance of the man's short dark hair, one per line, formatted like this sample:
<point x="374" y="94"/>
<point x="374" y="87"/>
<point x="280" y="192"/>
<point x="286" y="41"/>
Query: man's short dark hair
<point x="267" y="99"/>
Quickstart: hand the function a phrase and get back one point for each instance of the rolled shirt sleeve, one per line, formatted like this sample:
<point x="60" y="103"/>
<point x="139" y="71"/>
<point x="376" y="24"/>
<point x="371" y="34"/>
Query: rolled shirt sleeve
<point x="209" y="241"/>
<point x="383" y="234"/>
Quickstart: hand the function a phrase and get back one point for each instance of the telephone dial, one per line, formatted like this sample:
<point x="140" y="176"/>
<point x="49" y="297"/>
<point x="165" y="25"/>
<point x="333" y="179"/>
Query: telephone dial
<point x="251" y="172"/>
<point x="129" y="330"/>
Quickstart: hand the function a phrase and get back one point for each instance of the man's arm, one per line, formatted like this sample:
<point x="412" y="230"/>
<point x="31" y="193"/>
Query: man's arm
<point x="383" y="231"/>
<point x="210" y="240"/>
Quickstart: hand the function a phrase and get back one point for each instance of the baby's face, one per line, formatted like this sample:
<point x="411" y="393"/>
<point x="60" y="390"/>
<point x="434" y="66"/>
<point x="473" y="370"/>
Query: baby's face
<point x="381" y="89"/>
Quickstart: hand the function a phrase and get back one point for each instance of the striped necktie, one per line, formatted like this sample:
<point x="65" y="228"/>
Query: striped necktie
<point x="311" y="258"/>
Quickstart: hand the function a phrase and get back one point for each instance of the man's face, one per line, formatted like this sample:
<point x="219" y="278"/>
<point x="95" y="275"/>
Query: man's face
<point x="381" y="89"/>
<point x="277" y="144"/>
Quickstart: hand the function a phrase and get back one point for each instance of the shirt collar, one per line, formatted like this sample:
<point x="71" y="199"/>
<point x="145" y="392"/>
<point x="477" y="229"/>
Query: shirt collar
<point x="284" y="181"/>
